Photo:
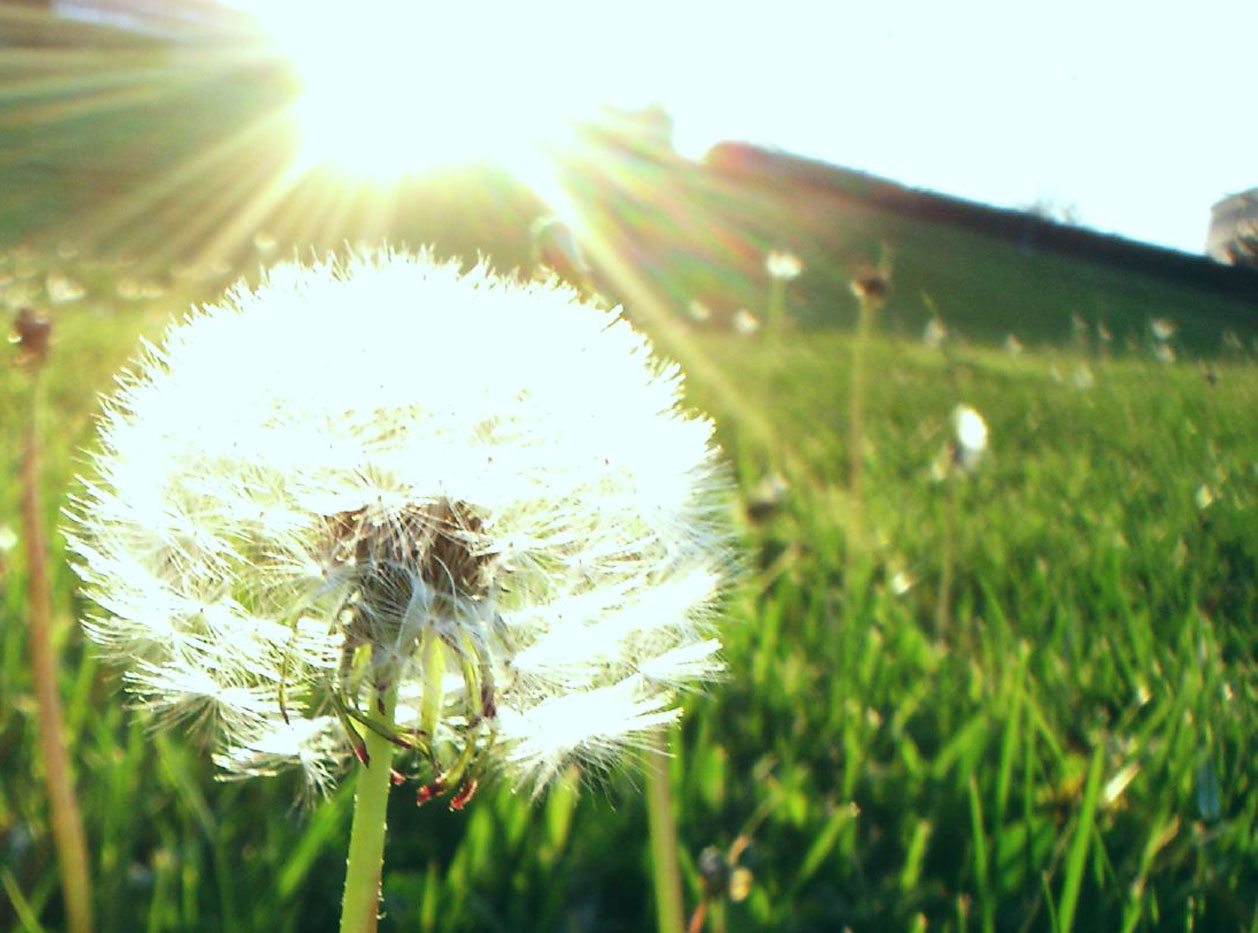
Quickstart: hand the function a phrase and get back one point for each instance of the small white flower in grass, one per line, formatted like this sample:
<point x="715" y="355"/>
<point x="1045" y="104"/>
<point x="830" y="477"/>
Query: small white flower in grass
<point x="386" y="477"/>
<point x="8" y="538"/>
<point x="783" y="265"/>
<point x="1013" y="345"/>
<point x="1162" y="328"/>
<point x="970" y="432"/>
<point x="1164" y="353"/>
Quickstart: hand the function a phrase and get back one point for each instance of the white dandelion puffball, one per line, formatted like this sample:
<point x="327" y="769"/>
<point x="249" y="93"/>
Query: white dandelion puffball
<point x="783" y="265"/>
<point x="971" y="436"/>
<point x="386" y="477"/>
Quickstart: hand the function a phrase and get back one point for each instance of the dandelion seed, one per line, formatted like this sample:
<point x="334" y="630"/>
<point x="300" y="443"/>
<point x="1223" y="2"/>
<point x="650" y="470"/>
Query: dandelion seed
<point x="783" y="265"/>
<point x="480" y="496"/>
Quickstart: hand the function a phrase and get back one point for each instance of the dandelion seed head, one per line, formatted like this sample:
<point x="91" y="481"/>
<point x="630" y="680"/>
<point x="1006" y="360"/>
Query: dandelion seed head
<point x="744" y="322"/>
<point x="783" y="265"/>
<point x="934" y="333"/>
<point x="971" y="436"/>
<point x="384" y="474"/>
<point x="699" y="312"/>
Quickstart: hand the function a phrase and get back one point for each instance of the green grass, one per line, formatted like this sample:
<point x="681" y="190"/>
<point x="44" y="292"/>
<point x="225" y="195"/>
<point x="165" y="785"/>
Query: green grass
<point x="1074" y="753"/>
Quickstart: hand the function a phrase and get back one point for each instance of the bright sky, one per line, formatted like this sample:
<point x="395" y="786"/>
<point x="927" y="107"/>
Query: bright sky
<point x="1138" y="115"/>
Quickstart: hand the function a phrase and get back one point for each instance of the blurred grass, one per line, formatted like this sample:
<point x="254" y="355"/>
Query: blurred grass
<point x="1077" y="754"/>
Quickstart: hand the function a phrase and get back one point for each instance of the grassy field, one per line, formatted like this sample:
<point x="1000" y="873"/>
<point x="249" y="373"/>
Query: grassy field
<point x="1069" y="748"/>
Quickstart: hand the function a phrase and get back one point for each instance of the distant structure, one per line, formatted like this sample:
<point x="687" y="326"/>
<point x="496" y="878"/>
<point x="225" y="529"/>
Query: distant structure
<point x="649" y="129"/>
<point x="1233" y="236"/>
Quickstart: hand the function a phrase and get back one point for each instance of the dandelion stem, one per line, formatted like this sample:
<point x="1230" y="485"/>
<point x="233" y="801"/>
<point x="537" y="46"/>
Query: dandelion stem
<point x="856" y="422"/>
<point x="659" y="799"/>
<point x="67" y="827"/>
<point x="944" y="599"/>
<point x="777" y="304"/>
<point x="361" y="902"/>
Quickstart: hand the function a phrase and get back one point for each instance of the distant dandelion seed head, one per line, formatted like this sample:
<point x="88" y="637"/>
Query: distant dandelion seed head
<point x="970" y="432"/>
<point x="384" y="475"/>
<point x="934" y="333"/>
<point x="744" y="322"/>
<point x="783" y="265"/>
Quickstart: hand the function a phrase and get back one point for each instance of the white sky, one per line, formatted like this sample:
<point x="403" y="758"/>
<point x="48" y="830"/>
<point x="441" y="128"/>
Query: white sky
<point x="1139" y="115"/>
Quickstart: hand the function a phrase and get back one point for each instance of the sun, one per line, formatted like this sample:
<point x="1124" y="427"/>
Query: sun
<point x="390" y="88"/>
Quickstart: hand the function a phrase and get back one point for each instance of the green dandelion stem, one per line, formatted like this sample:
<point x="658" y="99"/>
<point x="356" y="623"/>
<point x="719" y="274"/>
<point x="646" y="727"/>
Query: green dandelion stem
<point x="777" y="305"/>
<point x="943" y="602"/>
<point x="659" y="798"/>
<point x="361" y="902"/>
<point x="856" y="421"/>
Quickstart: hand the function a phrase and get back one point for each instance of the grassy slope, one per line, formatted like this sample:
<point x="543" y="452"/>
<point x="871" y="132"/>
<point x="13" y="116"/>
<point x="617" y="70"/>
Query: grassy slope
<point x="1100" y="616"/>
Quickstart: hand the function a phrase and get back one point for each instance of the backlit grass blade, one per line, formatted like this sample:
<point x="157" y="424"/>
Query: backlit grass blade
<point x="1076" y="857"/>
